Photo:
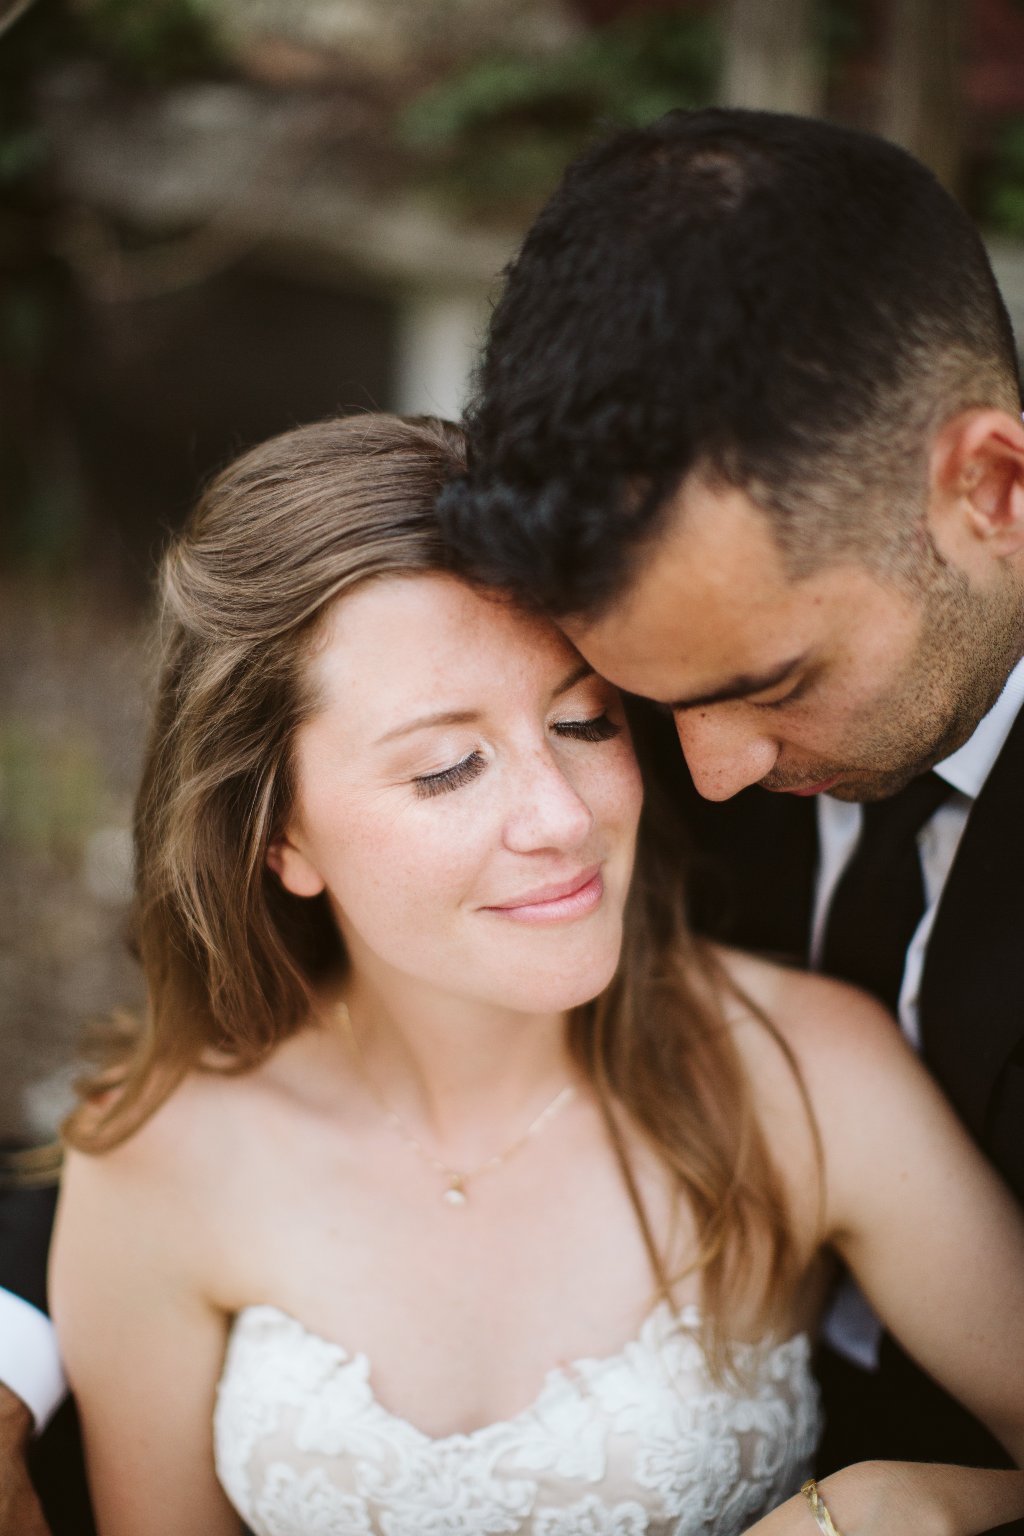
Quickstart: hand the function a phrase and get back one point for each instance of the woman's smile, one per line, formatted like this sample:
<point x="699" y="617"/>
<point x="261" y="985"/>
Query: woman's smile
<point x="562" y="901"/>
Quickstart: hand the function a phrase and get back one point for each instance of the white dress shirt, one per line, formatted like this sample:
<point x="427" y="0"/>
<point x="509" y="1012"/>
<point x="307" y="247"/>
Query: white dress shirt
<point x="851" y="1327"/>
<point x="29" y="1357"/>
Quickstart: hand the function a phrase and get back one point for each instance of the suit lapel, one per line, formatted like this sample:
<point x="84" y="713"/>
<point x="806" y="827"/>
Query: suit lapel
<point x="972" y="990"/>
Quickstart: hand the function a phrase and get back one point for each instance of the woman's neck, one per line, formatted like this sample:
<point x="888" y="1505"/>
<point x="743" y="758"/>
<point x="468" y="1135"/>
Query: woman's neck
<point x="462" y="1073"/>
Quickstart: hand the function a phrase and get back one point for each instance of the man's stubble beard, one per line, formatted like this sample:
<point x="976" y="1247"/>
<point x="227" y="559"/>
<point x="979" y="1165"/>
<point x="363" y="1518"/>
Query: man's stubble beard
<point x="969" y="643"/>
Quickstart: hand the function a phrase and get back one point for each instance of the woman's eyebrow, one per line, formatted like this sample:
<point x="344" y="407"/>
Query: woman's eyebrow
<point x="440" y="717"/>
<point x="468" y="716"/>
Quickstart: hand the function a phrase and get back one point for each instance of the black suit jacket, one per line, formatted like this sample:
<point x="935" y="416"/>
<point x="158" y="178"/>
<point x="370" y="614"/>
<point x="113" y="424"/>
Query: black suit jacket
<point x="755" y="866"/>
<point x="755" y="861"/>
<point x="26" y="1217"/>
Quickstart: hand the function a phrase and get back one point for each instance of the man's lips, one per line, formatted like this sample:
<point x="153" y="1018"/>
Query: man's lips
<point x="810" y="789"/>
<point x="557" y="901"/>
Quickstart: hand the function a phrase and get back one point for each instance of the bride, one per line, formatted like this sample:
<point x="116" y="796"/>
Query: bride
<point x="448" y="1178"/>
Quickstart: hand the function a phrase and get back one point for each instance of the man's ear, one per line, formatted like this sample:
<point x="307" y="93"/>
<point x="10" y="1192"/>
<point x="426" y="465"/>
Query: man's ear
<point x="977" y="480"/>
<point x="293" y="868"/>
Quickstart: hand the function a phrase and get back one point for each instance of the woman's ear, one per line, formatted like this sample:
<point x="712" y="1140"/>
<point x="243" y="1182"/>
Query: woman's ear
<point x="293" y="868"/>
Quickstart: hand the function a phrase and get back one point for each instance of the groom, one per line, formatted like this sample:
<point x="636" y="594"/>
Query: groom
<point x="749" y="429"/>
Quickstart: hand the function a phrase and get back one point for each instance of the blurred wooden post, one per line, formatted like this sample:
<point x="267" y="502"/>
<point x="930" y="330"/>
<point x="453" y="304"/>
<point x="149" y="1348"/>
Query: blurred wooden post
<point x="771" y="56"/>
<point x="920" y="103"/>
<point x="440" y="334"/>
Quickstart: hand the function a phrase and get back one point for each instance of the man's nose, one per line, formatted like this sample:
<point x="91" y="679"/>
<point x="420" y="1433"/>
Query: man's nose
<point x="725" y="750"/>
<point x="548" y="811"/>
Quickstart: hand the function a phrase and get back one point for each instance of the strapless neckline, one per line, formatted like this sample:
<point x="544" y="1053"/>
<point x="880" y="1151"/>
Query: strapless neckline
<point x="639" y="1442"/>
<point x="661" y="1321"/>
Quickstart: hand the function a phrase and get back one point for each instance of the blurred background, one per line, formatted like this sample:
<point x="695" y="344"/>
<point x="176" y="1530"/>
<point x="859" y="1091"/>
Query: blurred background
<point x="219" y="218"/>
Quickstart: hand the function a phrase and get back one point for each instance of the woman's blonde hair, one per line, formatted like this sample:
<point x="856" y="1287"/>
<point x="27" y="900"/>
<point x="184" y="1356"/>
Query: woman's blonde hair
<point x="232" y="960"/>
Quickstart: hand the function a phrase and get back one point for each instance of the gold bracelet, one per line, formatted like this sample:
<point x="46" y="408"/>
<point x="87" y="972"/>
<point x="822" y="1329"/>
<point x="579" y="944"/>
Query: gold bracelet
<point x="819" y="1509"/>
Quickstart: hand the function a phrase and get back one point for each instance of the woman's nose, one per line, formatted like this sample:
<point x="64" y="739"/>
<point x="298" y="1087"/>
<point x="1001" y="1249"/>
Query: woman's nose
<point x="548" y="811"/>
<point x="725" y="750"/>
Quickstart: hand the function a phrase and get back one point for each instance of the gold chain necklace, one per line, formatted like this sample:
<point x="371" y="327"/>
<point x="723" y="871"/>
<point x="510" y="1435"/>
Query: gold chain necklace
<point x="456" y="1179"/>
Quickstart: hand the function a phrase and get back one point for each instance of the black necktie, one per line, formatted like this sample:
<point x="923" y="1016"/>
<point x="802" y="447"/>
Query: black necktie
<point x="879" y="898"/>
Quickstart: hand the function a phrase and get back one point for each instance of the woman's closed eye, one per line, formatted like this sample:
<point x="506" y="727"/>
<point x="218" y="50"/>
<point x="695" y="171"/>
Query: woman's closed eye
<point x="462" y="772"/>
<point x="599" y="728"/>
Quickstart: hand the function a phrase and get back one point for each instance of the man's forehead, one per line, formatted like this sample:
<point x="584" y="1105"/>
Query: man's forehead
<point x="710" y="599"/>
<point x="714" y="551"/>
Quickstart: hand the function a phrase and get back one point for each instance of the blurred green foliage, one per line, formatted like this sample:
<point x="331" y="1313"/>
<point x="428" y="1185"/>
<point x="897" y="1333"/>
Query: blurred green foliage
<point x="499" y="131"/>
<point x="1003" y="194"/>
<point x="633" y="69"/>
<point x="154" y="41"/>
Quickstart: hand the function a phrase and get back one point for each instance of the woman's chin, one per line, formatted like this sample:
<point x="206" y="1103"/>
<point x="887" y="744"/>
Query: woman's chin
<point x="561" y="991"/>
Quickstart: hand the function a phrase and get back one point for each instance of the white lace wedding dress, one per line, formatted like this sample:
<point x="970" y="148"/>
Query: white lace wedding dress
<point x="640" y="1443"/>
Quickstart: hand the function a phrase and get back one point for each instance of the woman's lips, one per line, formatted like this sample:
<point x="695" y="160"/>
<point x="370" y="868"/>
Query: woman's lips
<point x="556" y="903"/>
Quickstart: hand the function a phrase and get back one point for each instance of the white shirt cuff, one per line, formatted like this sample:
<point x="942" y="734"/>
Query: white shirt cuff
<point x="29" y="1358"/>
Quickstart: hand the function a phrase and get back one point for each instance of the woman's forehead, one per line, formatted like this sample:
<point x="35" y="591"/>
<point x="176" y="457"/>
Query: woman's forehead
<point x="411" y="637"/>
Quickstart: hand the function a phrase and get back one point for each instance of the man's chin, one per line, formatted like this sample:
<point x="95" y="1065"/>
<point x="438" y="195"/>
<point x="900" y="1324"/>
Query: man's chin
<point x="859" y="793"/>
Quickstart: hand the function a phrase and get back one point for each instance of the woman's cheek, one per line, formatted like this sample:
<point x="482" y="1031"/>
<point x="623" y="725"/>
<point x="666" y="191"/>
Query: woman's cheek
<point x="624" y="791"/>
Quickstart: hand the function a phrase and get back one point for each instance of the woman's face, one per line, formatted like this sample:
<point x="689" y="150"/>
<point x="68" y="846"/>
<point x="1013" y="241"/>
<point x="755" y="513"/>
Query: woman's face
<point x="467" y="795"/>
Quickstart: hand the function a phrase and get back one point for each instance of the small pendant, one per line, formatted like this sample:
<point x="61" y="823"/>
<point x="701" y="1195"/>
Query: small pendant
<point x="455" y="1194"/>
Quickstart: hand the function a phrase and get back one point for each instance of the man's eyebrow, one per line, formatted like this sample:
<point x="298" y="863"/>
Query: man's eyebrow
<point x="467" y="716"/>
<point x="741" y="686"/>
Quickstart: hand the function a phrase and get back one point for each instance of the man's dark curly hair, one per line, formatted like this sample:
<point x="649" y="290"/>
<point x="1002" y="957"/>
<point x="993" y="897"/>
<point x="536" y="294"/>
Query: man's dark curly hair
<point x="776" y="303"/>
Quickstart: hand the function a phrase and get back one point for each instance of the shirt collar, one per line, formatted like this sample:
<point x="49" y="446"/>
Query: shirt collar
<point x="969" y="766"/>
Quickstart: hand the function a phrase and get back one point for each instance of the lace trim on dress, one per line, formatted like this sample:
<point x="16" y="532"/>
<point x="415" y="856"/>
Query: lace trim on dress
<point x="639" y="1443"/>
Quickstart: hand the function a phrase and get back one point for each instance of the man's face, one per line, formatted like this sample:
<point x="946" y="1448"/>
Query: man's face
<point x="839" y="681"/>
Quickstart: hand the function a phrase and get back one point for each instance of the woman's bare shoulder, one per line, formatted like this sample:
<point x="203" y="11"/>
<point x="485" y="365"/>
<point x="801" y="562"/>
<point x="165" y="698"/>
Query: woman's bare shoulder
<point x="165" y="1195"/>
<point x="171" y="1144"/>
<point x="824" y="1023"/>
<point x="217" y="1117"/>
<point x="831" y="1061"/>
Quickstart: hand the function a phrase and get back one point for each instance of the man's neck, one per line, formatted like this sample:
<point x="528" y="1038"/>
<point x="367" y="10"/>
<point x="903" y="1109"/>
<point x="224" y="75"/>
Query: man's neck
<point x="970" y="765"/>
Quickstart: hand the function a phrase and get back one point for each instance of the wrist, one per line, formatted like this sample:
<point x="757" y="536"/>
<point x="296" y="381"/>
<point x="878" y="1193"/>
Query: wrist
<point x="812" y="1491"/>
<point x="870" y="1496"/>
<point x="855" y="1495"/>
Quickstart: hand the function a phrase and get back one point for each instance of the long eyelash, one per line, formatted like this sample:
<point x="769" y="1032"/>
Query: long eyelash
<point x="600" y="728"/>
<point x="449" y="778"/>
